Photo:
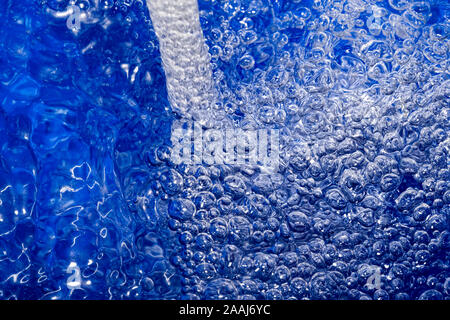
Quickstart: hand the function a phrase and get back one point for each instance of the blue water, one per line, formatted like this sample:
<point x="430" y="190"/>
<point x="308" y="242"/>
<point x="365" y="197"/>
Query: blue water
<point x="359" y="209"/>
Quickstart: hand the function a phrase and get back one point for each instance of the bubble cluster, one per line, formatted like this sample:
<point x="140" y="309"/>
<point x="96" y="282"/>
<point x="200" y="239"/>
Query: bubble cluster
<point x="92" y="205"/>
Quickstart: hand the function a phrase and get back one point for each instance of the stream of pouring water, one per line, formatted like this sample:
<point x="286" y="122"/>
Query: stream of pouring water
<point x="185" y="57"/>
<point x="190" y="86"/>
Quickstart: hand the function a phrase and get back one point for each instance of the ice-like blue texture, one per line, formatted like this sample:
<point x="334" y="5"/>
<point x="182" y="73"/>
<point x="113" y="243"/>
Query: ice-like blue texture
<point x="92" y="207"/>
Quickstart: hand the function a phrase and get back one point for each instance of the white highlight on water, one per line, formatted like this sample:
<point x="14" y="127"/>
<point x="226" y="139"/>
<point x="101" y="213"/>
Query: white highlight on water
<point x="185" y="57"/>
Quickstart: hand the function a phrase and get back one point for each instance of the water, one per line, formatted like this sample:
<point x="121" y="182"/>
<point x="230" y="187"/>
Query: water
<point x="185" y="57"/>
<point x="92" y="205"/>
